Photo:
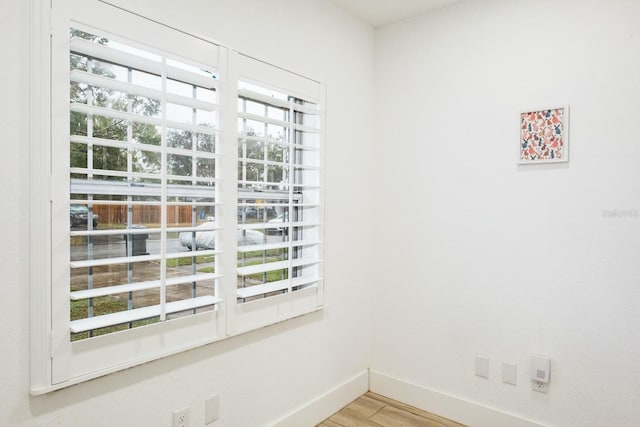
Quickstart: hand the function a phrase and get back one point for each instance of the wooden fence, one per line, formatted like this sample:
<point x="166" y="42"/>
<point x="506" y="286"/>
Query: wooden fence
<point x="117" y="214"/>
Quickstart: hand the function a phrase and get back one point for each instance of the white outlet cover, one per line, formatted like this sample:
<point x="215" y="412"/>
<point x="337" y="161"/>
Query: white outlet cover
<point x="540" y="368"/>
<point x="509" y="373"/>
<point x="211" y="409"/>
<point x="482" y="366"/>
<point x="181" y="417"/>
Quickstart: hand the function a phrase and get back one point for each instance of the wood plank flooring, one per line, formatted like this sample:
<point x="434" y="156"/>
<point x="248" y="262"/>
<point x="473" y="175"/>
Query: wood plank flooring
<point x="373" y="410"/>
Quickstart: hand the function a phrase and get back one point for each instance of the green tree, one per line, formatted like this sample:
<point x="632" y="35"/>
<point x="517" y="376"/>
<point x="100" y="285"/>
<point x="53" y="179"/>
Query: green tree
<point x="109" y="158"/>
<point x="183" y="165"/>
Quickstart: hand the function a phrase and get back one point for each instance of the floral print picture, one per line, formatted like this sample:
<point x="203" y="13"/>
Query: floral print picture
<point x="544" y="135"/>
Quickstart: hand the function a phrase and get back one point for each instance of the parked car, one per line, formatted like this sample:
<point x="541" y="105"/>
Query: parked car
<point x="256" y="212"/>
<point x="79" y="216"/>
<point x="249" y="212"/>
<point x="207" y="239"/>
<point x="282" y="218"/>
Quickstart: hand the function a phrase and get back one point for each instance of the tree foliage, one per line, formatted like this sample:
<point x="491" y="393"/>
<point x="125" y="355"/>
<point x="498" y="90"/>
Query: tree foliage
<point x="109" y="158"/>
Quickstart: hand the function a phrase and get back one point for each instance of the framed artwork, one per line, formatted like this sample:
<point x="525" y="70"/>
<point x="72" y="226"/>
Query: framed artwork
<point x="544" y="135"/>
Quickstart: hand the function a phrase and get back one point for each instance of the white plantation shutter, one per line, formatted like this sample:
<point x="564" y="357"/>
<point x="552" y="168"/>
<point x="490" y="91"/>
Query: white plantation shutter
<point x="280" y="207"/>
<point x="159" y="171"/>
<point x="180" y="195"/>
<point x="135" y="179"/>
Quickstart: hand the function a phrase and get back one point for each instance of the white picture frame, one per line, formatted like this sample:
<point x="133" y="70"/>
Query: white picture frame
<point x="544" y="135"/>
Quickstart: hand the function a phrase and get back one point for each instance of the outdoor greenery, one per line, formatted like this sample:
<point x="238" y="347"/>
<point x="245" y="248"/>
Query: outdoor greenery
<point x="200" y="259"/>
<point x="108" y="158"/>
<point x="115" y="158"/>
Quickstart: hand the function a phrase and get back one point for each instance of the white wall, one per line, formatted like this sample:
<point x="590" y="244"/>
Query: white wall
<point x="488" y="257"/>
<point x="260" y="376"/>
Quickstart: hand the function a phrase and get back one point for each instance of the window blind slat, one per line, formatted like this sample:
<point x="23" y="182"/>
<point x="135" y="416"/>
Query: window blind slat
<point x="141" y="147"/>
<point x="139" y="118"/>
<point x="308" y="129"/>
<point x="139" y="175"/>
<point x="284" y="224"/>
<point x="100" y="187"/>
<point x="263" y="119"/>
<point x="140" y="286"/>
<point x="116" y="232"/>
<point x="80" y="76"/>
<point x="262" y="98"/>
<point x="271" y="266"/>
<point x="305" y="147"/>
<point x="115" y="56"/>
<point x="116" y="260"/>
<point x="188" y="254"/>
<point x="305" y="167"/>
<point x="277" y="195"/>
<point x="260" y="184"/>
<point x="140" y="203"/>
<point x="133" y="231"/>
<point x="77" y="107"/>
<point x="265" y="288"/>
<point x="108" y="172"/>
<point x="278" y="205"/>
<point x="266" y="99"/>
<point x="279" y="245"/>
<point x="103" y="142"/>
<point x="106" y="320"/>
<point x="138" y="258"/>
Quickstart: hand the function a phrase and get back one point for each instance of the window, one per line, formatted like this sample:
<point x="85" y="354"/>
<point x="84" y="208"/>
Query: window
<point x="278" y="183"/>
<point x="279" y="194"/>
<point x="142" y="149"/>
<point x="185" y="200"/>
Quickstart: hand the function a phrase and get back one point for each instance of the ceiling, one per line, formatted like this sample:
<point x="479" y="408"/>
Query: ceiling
<point x="383" y="12"/>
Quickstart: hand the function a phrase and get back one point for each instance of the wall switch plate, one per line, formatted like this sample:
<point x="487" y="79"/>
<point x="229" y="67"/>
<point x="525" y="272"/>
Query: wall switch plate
<point x="509" y="373"/>
<point x="211" y="409"/>
<point x="482" y="366"/>
<point x="181" y="417"/>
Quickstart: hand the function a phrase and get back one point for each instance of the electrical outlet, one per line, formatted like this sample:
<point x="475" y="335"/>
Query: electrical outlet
<point x="539" y="386"/>
<point x="181" y="417"/>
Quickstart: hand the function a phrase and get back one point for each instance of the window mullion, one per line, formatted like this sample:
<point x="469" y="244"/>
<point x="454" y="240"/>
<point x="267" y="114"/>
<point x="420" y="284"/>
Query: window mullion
<point x="129" y="237"/>
<point x="194" y="174"/>
<point x="163" y="197"/>
<point x="228" y="190"/>
<point x="292" y="142"/>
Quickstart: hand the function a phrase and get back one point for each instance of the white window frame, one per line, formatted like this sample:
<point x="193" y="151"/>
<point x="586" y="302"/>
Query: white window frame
<point x="255" y="314"/>
<point x="55" y="361"/>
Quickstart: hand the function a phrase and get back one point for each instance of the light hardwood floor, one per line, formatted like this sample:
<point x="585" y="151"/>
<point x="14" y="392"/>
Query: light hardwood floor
<point x="374" y="410"/>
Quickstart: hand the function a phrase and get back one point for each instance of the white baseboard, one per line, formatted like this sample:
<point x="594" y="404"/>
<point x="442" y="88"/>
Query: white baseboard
<point x="326" y="404"/>
<point x="447" y="406"/>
